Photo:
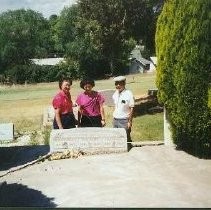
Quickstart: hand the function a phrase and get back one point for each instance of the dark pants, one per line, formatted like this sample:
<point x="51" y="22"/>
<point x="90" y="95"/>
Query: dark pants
<point x="67" y="120"/>
<point x="122" y="123"/>
<point x="93" y="121"/>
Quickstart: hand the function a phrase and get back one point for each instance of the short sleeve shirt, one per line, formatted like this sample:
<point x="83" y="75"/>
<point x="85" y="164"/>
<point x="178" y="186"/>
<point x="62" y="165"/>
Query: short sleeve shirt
<point x="123" y="102"/>
<point x="63" y="102"/>
<point x="90" y="103"/>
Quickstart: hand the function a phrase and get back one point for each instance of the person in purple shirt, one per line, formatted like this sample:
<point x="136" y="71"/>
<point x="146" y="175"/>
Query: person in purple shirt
<point x="90" y="102"/>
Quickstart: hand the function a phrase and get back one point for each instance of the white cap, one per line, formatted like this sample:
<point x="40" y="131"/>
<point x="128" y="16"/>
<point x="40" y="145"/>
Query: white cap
<point x="119" y="78"/>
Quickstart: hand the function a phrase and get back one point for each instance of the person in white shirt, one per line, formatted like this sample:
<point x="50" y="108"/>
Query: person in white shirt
<point x="124" y="105"/>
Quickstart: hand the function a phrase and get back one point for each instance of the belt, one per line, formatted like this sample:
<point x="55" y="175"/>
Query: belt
<point x="120" y="118"/>
<point x="68" y="113"/>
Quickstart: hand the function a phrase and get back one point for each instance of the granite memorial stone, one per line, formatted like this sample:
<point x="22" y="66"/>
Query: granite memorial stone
<point x="90" y="140"/>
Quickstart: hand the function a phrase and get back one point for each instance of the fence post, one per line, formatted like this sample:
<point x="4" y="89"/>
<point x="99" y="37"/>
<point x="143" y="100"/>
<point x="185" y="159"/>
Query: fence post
<point x="168" y="141"/>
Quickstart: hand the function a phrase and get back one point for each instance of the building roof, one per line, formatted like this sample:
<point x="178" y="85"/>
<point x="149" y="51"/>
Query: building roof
<point x="136" y="55"/>
<point x="47" y="61"/>
<point x="144" y="61"/>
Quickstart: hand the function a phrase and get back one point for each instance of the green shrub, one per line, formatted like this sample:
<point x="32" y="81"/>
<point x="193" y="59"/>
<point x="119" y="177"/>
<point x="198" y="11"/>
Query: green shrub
<point x="183" y="40"/>
<point x="32" y="73"/>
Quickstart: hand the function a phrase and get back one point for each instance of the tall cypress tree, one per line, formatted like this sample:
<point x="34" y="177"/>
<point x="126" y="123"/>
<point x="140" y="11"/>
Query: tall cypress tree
<point x="183" y="40"/>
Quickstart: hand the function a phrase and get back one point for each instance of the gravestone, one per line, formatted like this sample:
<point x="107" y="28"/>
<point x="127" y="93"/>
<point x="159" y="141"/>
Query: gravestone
<point x="90" y="140"/>
<point x="49" y="113"/>
<point x="107" y="94"/>
<point x="48" y="116"/>
<point x="6" y="132"/>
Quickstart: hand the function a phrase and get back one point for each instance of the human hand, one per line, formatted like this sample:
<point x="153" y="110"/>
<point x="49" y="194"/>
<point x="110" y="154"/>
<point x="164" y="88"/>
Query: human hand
<point x="74" y="105"/>
<point x="103" y="123"/>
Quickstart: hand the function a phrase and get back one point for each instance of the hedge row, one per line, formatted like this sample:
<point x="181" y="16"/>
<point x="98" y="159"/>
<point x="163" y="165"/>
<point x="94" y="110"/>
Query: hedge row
<point x="35" y="73"/>
<point x="183" y="41"/>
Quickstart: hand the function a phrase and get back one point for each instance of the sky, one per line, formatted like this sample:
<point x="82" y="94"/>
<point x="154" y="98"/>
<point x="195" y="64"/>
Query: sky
<point x="46" y="7"/>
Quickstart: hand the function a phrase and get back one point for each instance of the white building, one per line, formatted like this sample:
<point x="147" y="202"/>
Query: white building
<point x="138" y="64"/>
<point x="48" y="61"/>
<point x="153" y="64"/>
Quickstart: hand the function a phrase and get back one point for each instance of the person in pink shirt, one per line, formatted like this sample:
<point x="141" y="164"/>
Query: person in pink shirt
<point x="90" y="102"/>
<point x="62" y="103"/>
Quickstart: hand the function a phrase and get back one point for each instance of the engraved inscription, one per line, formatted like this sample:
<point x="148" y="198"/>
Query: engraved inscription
<point x="89" y="140"/>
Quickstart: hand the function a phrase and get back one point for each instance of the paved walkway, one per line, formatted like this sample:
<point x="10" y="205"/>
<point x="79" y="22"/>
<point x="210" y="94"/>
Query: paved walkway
<point x="148" y="176"/>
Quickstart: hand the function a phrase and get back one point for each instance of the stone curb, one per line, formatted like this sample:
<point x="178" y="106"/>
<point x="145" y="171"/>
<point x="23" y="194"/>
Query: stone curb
<point x="147" y="143"/>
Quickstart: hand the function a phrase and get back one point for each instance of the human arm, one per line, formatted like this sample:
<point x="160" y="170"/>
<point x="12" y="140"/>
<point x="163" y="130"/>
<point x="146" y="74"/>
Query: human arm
<point x="79" y="116"/>
<point x="130" y="118"/>
<point x="131" y="110"/>
<point x="58" y="118"/>
<point x="57" y="105"/>
<point x="78" y="104"/>
<point x="101" y="100"/>
<point x="102" y="113"/>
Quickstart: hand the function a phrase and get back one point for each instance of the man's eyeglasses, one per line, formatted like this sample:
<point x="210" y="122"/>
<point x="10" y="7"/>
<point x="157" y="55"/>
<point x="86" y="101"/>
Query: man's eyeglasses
<point x="120" y="83"/>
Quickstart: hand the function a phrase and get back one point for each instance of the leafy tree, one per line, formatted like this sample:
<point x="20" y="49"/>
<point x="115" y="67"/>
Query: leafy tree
<point x="79" y="38"/>
<point x="52" y="49"/>
<point x="86" y="48"/>
<point x="64" y="28"/>
<point x="22" y="36"/>
<point x="121" y="21"/>
<point x="100" y="35"/>
<point x="183" y="41"/>
<point x="140" y="22"/>
<point x="110" y="17"/>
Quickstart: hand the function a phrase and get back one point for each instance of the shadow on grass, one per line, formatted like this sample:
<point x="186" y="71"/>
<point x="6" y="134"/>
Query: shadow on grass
<point x="18" y="195"/>
<point x="150" y="106"/>
<point x="19" y="155"/>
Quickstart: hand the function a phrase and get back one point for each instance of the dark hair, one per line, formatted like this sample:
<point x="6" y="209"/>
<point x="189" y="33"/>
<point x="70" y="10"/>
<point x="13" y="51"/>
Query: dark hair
<point x="64" y="78"/>
<point x="87" y="81"/>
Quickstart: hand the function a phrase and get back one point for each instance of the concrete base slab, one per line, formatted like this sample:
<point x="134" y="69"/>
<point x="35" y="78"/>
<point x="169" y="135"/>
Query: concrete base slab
<point x="145" y="177"/>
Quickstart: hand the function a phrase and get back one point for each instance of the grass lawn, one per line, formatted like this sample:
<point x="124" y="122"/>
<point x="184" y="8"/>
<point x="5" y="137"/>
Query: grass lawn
<point x="23" y="105"/>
